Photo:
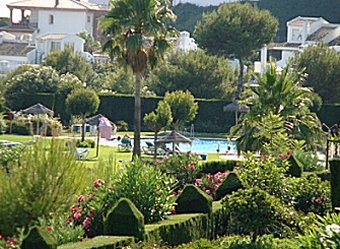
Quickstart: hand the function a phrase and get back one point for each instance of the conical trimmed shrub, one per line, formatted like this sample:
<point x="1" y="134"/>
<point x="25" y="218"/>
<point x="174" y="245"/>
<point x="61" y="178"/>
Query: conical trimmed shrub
<point x="230" y="184"/>
<point x="193" y="200"/>
<point x="125" y="219"/>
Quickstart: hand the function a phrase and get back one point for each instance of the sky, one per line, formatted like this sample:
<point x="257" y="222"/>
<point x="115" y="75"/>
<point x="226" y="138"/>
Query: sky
<point x="4" y="11"/>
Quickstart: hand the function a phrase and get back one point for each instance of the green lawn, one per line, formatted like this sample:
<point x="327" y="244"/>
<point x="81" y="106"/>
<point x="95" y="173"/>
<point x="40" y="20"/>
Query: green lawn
<point x="105" y="152"/>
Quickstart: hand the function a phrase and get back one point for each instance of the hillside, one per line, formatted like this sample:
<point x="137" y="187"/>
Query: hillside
<point x="188" y="14"/>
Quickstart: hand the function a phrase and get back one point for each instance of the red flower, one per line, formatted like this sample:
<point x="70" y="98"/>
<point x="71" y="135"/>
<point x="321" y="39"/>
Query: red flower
<point x="76" y="215"/>
<point x="86" y="223"/>
<point x="318" y="201"/>
<point x="74" y="208"/>
<point x="97" y="183"/>
<point x="198" y="181"/>
<point x="91" y="213"/>
<point x="81" y="198"/>
<point x="49" y="228"/>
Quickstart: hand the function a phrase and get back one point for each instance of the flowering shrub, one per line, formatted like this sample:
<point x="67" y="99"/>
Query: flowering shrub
<point x="90" y="208"/>
<point x="210" y="182"/>
<point x="9" y="242"/>
<point x="184" y="167"/>
<point x="9" y="156"/>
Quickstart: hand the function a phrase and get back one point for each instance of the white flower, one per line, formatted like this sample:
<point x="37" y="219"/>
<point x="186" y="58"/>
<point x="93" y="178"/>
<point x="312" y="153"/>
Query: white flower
<point x="333" y="228"/>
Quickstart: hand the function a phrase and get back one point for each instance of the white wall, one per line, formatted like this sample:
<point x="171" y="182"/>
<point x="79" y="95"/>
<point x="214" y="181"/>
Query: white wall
<point x="71" y="22"/>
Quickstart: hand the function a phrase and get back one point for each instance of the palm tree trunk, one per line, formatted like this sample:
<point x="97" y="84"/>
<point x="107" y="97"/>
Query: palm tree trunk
<point x="137" y="117"/>
<point x="240" y="80"/>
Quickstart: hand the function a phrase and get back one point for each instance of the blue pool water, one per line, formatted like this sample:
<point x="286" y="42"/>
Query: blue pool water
<point x="199" y="144"/>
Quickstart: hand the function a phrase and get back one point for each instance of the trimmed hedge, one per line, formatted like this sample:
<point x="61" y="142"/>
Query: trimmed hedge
<point x="230" y="184"/>
<point x="213" y="167"/>
<point x="209" y="118"/>
<point x="39" y="238"/>
<point x="193" y="200"/>
<point x="178" y="229"/>
<point x="100" y="242"/>
<point x="335" y="182"/>
<point x="124" y="219"/>
<point x="295" y="168"/>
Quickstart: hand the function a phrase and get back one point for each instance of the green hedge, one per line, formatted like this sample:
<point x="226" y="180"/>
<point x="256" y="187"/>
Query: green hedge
<point x="335" y="182"/>
<point x="39" y="238"/>
<point x="213" y="167"/>
<point x="230" y="184"/>
<point x="100" y="242"/>
<point x="210" y="116"/>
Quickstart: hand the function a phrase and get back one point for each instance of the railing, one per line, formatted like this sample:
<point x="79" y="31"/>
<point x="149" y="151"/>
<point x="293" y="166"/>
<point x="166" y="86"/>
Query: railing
<point x="25" y="25"/>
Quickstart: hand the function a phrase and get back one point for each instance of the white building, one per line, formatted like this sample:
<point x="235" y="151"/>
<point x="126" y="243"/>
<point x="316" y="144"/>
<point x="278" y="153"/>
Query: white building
<point x="46" y="25"/>
<point x="302" y="32"/>
<point x="184" y="42"/>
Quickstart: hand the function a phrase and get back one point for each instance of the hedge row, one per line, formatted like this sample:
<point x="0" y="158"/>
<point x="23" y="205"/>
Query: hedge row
<point x="210" y="116"/>
<point x="100" y="242"/>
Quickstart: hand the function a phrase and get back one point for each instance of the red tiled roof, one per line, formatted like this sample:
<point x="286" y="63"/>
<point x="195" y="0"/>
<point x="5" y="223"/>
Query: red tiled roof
<point x="14" y="49"/>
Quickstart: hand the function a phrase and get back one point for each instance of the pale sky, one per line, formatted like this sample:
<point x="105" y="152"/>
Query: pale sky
<point x="4" y="11"/>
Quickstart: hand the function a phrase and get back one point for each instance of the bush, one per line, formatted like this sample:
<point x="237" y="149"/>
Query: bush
<point x="44" y="181"/>
<point x="295" y="168"/>
<point x="184" y="167"/>
<point x="150" y="190"/>
<point x="193" y="200"/>
<point x="335" y="181"/>
<point x="39" y="238"/>
<point x="217" y="166"/>
<point x="86" y="143"/>
<point x="122" y="125"/>
<point x="209" y="183"/>
<point x="230" y="184"/>
<point x="308" y="161"/>
<point x="10" y="156"/>
<point x="124" y="219"/>
<point x="20" y="127"/>
<point x="255" y="212"/>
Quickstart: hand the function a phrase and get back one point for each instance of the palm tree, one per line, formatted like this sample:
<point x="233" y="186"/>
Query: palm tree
<point x="282" y="97"/>
<point x="136" y="33"/>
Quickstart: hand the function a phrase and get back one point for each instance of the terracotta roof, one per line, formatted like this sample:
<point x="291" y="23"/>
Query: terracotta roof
<point x="51" y="4"/>
<point x="335" y="42"/>
<point x="52" y="37"/>
<point x="285" y="45"/>
<point x="14" y="49"/>
<point x="320" y="33"/>
<point x="299" y="21"/>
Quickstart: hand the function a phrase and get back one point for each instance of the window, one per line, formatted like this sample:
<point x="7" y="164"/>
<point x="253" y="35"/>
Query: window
<point x="69" y="45"/>
<point x="55" y="46"/>
<point x="88" y="19"/>
<point x="50" y="19"/>
<point x="295" y="34"/>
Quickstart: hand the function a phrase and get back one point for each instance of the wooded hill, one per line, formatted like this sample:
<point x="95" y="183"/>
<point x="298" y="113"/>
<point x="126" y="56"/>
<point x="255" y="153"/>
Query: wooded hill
<point x="188" y="14"/>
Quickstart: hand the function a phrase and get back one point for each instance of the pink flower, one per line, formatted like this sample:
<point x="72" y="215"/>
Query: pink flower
<point x="97" y="183"/>
<point x="49" y="228"/>
<point x="165" y="158"/>
<point x="81" y="198"/>
<point x="173" y="210"/>
<point x="207" y="191"/>
<point x="86" y="223"/>
<point x="318" y="201"/>
<point x="0" y="237"/>
<point x="198" y="181"/>
<point x="282" y="156"/>
<point x="76" y="215"/>
<point x="91" y="213"/>
<point x="74" y="208"/>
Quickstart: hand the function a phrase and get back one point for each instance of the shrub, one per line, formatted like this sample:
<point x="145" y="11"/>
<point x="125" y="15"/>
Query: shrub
<point x="335" y="181"/>
<point x="193" y="200"/>
<point x="183" y="167"/>
<point x="230" y="184"/>
<point x="124" y="219"/>
<point x="308" y="160"/>
<point x="10" y="156"/>
<point x="20" y="127"/>
<point x="122" y="125"/>
<point x="39" y="238"/>
<point x="86" y="143"/>
<point x="213" y="167"/>
<point x="150" y="190"/>
<point x="255" y="212"/>
<point x="295" y="168"/>
<point x="210" y="182"/>
<point x="43" y="181"/>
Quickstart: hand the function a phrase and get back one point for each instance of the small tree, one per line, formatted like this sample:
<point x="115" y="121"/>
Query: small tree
<point x="158" y="120"/>
<point x="183" y="107"/>
<point x="82" y="102"/>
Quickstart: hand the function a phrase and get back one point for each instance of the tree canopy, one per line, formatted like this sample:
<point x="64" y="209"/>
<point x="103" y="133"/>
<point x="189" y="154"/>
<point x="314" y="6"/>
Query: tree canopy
<point x="316" y="59"/>
<point x="236" y="29"/>
<point x="205" y="76"/>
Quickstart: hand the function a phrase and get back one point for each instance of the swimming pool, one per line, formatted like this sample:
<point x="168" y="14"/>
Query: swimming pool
<point x="198" y="144"/>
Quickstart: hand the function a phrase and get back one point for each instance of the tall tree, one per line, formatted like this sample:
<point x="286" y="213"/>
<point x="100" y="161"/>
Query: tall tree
<point x="236" y="29"/>
<point x="136" y="34"/>
<point x="316" y="59"/>
<point x="82" y="102"/>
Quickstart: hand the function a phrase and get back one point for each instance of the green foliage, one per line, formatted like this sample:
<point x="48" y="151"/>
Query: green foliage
<point x="205" y="76"/>
<point x="44" y="181"/>
<point x="255" y="212"/>
<point x="150" y="190"/>
<point x="68" y="83"/>
<point x="159" y="119"/>
<point x="235" y="29"/>
<point x="10" y="156"/>
<point x="39" y="238"/>
<point x="86" y="144"/>
<point x="230" y="184"/>
<point x="183" y="107"/>
<point x="29" y="80"/>
<point x="91" y="45"/>
<point x="193" y="200"/>
<point x="335" y="182"/>
<point x="122" y="125"/>
<point x="125" y="219"/>
<point x="82" y="102"/>
<point x="213" y="167"/>
<point x="321" y="58"/>
<point x="308" y="160"/>
<point x="68" y="61"/>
